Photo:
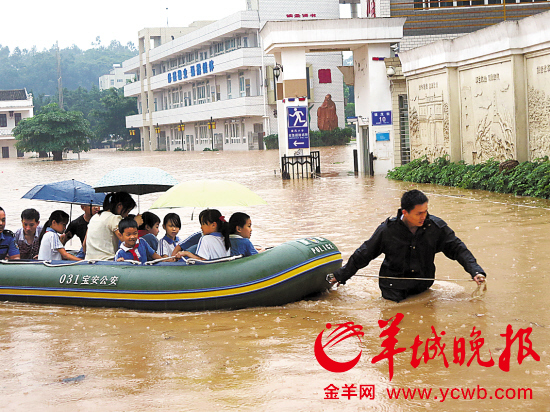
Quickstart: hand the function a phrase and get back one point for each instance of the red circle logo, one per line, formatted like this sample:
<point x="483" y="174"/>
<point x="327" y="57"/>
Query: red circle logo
<point x="342" y="332"/>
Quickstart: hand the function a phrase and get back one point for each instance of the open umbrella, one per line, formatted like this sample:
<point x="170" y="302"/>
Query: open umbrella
<point x="66" y="191"/>
<point x="208" y="193"/>
<point x="136" y="180"/>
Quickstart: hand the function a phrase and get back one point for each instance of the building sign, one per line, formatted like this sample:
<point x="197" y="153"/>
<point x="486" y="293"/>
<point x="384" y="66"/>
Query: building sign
<point x="382" y="136"/>
<point x="381" y="118"/>
<point x="298" y="130"/>
<point x="191" y="71"/>
<point x="300" y="15"/>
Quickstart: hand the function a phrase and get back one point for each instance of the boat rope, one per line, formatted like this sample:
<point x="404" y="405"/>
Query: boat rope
<point x="477" y="294"/>
<point x="48" y="263"/>
<point x="192" y="261"/>
<point x="152" y="262"/>
<point x="390" y="277"/>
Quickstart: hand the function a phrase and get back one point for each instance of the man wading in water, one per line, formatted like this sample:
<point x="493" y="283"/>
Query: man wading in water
<point x="409" y="242"/>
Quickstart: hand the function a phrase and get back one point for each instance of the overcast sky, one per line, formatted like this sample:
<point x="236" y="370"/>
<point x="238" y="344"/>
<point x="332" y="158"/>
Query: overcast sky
<point x="41" y="23"/>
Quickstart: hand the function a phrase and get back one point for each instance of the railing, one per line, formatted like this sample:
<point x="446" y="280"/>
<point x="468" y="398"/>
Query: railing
<point x="301" y="166"/>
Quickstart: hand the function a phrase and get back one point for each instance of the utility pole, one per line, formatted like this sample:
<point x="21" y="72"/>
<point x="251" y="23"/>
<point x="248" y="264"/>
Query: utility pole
<point x="59" y="82"/>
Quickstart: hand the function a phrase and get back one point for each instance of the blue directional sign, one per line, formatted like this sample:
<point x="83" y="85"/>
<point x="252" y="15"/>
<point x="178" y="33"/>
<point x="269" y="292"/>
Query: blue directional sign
<point x="298" y="130"/>
<point x="382" y="118"/>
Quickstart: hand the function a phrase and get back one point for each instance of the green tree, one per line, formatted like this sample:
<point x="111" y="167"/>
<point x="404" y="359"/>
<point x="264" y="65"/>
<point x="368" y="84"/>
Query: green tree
<point x="110" y="118"/>
<point x="53" y="130"/>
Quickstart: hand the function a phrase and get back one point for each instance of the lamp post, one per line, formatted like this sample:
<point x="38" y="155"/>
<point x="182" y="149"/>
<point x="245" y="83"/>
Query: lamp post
<point x="181" y="129"/>
<point x="212" y="126"/>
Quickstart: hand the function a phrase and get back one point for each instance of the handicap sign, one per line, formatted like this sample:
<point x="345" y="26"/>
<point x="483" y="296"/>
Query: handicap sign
<point x="382" y="118"/>
<point x="297" y="126"/>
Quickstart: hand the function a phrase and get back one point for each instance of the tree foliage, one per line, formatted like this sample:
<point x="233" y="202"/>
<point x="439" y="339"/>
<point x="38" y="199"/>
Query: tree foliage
<point x="37" y="70"/>
<point x="110" y="116"/>
<point x="53" y="130"/>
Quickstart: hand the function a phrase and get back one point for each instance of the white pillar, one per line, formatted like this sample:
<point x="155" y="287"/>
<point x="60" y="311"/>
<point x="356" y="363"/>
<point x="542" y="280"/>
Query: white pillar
<point x="294" y="80"/>
<point x="373" y="94"/>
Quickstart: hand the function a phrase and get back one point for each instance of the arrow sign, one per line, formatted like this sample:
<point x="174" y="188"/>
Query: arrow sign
<point x="297" y="126"/>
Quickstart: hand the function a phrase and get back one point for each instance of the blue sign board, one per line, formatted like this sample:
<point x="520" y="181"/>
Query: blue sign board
<point x="194" y="70"/>
<point x="382" y="136"/>
<point x="297" y="127"/>
<point x="381" y="118"/>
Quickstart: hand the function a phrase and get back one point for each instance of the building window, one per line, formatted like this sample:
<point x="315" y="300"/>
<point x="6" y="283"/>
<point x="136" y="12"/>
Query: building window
<point x="232" y="132"/>
<point x="201" y="93"/>
<point x="228" y="86"/>
<point x="112" y="82"/>
<point x="242" y="92"/>
<point x="404" y="129"/>
<point x="187" y="97"/>
<point x="3" y="120"/>
<point x="17" y="118"/>
<point x="203" y="134"/>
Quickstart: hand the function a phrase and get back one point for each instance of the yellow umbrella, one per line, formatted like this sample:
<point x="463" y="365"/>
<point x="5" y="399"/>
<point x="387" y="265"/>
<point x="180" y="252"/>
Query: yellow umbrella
<point x="208" y="193"/>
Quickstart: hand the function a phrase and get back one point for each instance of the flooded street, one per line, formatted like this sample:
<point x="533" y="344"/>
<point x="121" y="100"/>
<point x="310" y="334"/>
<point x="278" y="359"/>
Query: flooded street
<point x="57" y="358"/>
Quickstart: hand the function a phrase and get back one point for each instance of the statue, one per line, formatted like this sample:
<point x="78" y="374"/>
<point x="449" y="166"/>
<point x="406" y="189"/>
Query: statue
<point x="326" y="115"/>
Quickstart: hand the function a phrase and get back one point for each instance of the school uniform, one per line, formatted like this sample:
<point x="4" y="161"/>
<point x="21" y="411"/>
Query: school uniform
<point x="241" y="246"/>
<point x="8" y="247"/>
<point x="141" y="252"/>
<point x="26" y="250"/>
<point x="151" y="239"/>
<point x="212" y="246"/>
<point x="167" y="245"/>
<point x="50" y="245"/>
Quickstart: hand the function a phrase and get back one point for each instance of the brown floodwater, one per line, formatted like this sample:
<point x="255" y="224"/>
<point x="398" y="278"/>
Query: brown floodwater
<point x="62" y="358"/>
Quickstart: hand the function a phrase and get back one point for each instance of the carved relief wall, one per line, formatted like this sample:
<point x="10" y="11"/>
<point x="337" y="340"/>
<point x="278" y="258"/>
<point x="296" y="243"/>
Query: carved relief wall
<point x="538" y="98"/>
<point x="428" y="117"/>
<point x="487" y="108"/>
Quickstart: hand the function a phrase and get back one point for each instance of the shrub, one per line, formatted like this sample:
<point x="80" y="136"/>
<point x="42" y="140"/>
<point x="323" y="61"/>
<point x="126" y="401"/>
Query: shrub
<point x="527" y="179"/>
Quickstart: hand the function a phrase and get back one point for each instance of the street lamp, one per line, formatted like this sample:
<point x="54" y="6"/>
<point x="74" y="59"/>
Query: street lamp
<point x="277" y="71"/>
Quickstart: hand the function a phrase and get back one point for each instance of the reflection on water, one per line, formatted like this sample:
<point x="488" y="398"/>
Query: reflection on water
<point x="262" y="358"/>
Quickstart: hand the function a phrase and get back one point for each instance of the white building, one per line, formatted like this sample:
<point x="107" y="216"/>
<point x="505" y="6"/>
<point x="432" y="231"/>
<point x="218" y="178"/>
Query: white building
<point x="14" y="106"/>
<point x="218" y="71"/>
<point x="116" y="78"/>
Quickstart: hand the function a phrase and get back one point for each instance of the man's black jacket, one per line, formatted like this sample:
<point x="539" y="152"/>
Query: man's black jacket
<point x="408" y="254"/>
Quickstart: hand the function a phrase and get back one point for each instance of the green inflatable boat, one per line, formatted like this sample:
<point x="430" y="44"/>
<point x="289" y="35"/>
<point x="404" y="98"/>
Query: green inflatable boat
<point x="286" y="273"/>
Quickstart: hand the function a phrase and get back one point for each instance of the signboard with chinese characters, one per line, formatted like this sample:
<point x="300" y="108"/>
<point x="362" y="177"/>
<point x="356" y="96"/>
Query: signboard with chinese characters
<point x="194" y="70"/>
<point x="382" y="118"/>
<point x="297" y="127"/>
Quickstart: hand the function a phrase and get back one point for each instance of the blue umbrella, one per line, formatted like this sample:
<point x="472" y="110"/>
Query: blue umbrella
<point x="66" y="191"/>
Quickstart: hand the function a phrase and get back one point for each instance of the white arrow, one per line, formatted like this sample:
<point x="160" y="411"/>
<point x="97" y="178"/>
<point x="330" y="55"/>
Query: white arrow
<point x="298" y="143"/>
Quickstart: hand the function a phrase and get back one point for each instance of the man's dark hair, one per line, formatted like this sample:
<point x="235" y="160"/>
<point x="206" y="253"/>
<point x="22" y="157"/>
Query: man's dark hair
<point x="412" y="198"/>
<point x="30" y="214"/>
<point x="127" y="222"/>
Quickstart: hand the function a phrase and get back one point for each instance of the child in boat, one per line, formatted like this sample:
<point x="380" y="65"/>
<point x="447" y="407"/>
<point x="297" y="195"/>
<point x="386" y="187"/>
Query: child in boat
<point x="149" y="229"/>
<point x="214" y="244"/>
<point x="132" y="247"/>
<point x="240" y="229"/>
<point x="51" y="247"/>
<point x="172" y="225"/>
